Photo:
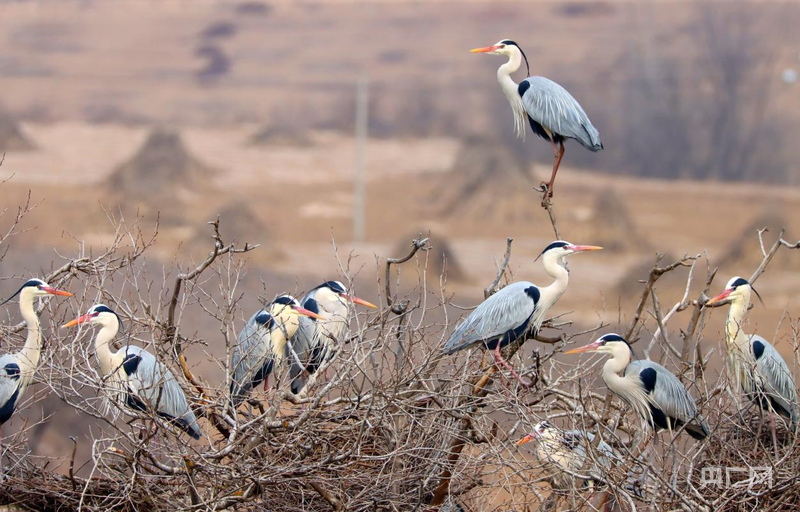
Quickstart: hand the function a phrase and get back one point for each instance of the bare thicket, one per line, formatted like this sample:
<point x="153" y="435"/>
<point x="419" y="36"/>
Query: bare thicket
<point x="395" y="425"/>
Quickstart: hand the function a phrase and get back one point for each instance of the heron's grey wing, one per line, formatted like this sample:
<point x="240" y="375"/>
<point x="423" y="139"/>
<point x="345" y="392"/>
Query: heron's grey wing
<point x="153" y="383"/>
<point x="249" y="356"/>
<point x="10" y="389"/>
<point x="554" y="108"/>
<point x="505" y="310"/>
<point x="298" y="351"/>
<point x="668" y="394"/>
<point x="776" y="375"/>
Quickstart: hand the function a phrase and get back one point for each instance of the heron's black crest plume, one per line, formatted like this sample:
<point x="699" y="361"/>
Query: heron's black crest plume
<point x="527" y="67"/>
<point x="758" y="295"/>
<point x="336" y="286"/>
<point x="554" y="245"/>
<point x="30" y="282"/>
<point x="616" y="337"/>
<point x="102" y="308"/>
<point x="286" y="300"/>
<point x="740" y="282"/>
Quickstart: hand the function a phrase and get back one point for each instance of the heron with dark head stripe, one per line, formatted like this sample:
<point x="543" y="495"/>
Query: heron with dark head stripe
<point x="517" y="310"/>
<point x="17" y="370"/>
<point x="652" y="391"/>
<point x="136" y="379"/>
<point x="261" y="344"/>
<point x="756" y="367"/>
<point x="316" y="338"/>
<point x="551" y="111"/>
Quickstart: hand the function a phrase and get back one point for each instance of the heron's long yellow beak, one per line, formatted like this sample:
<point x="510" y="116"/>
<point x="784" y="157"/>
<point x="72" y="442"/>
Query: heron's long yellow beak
<point x="79" y="320"/>
<point x="719" y="298"/>
<point x="586" y="248"/>
<point x="587" y="348"/>
<point x="307" y="312"/>
<point x="484" y="50"/>
<point x="526" y="439"/>
<point x="53" y="291"/>
<point x="356" y="300"/>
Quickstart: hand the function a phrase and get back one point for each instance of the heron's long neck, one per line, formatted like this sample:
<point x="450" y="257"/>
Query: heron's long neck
<point x="734" y="335"/>
<point x="509" y="88"/>
<point x="29" y="355"/>
<point x="102" y="344"/>
<point x="612" y="372"/>
<point x="554" y="291"/>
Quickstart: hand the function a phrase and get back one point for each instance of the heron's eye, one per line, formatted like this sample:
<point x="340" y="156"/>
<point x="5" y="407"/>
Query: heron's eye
<point x="96" y="313"/>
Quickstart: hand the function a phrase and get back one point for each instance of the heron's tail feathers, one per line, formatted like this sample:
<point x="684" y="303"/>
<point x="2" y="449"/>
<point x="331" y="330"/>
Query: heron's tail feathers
<point x="697" y="429"/>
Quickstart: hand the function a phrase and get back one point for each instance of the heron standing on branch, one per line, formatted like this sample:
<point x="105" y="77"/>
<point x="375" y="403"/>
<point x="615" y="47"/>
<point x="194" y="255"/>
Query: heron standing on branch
<point x="756" y="367"/>
<point x="16" y="370"/>
<point x="652" y="391"/>
<point x="551" y="111"/>
<point x="316" y="337"/>
<point x="143" y="384"/>
<point x="516" y="310"/>
<point x="262" y="343"/>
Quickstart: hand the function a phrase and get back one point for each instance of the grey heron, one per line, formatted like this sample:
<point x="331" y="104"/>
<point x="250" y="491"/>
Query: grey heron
<point x="551" y="111"/>
<point x="16" y="370"/>
<point x="261" y="344"/>
<point x="563" y="453"/>
<point x="756" y="367"/>
<point x="517" y="309"/>
<point x="652" y="391"/>
<point x="143" y="384"/>
<point x="315" y="339"/>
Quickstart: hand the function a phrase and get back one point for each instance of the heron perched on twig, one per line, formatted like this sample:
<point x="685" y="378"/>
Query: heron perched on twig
<point x="652" y="391"/>
<point x="16" y="370"/>
<point x="561" y="450"/>
<point x="516" y="310"/>
<point x="551" y="111"/>
<point x="756" y="367"/>
<point x="261" y="344"/>
<point x="315" y="339"/>
<point x="141" y="382"/>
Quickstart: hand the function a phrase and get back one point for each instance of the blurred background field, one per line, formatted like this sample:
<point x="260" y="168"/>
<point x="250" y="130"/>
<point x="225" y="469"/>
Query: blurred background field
<point x="246" y="109"/>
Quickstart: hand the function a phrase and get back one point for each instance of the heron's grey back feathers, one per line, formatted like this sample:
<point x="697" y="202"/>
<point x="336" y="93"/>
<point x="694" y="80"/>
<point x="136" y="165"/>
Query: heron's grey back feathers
<point x="776" y="378"/>
<point x="555" y="109"/>
<point x="500" y="313"/>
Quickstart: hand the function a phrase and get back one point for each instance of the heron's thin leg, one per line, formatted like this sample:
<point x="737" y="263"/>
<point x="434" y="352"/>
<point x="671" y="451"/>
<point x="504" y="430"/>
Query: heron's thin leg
<point x="499" y="360"/>
<point x="774" y="434"/>
<point x="266" y="384"/>
<point x="556" y="164"/>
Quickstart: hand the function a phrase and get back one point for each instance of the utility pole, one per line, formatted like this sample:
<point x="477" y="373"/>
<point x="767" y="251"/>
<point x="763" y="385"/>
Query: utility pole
<point x="362" y="118"/>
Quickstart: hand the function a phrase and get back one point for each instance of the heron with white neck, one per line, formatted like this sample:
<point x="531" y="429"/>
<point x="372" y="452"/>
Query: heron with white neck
<point x="652" y="391"/>
<point x="139" y="382"/>
<point x="17" y="370"/>
<point x="261" y="345"/>
<point x="518" y="309"/>
<point x="551" y="111"/>
<point x="757" y="368"/>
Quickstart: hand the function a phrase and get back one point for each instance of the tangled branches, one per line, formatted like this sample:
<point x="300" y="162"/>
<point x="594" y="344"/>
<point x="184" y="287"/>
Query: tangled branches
<point x="395" y="425"/>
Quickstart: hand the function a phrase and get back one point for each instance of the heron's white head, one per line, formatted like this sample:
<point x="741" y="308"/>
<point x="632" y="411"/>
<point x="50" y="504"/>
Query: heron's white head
<point x="542" y="430"/>
<point x="331" y="293"/>
<point x="101" y="315"/>
<point x="505" y="47"/>
<point x="36" y="288"/>
<point x="560" y="249"/>
<point x="612" y="344"/>
<point x="287" y="306"/>
<point x="737" y="290"/>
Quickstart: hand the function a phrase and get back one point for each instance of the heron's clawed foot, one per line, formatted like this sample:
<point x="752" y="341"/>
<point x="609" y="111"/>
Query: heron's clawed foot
<point x="546" y="186"/>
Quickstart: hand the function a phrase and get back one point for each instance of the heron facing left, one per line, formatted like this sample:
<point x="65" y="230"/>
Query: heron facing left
<point x="551" y="111"/>
<point x="137" y="378"/>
